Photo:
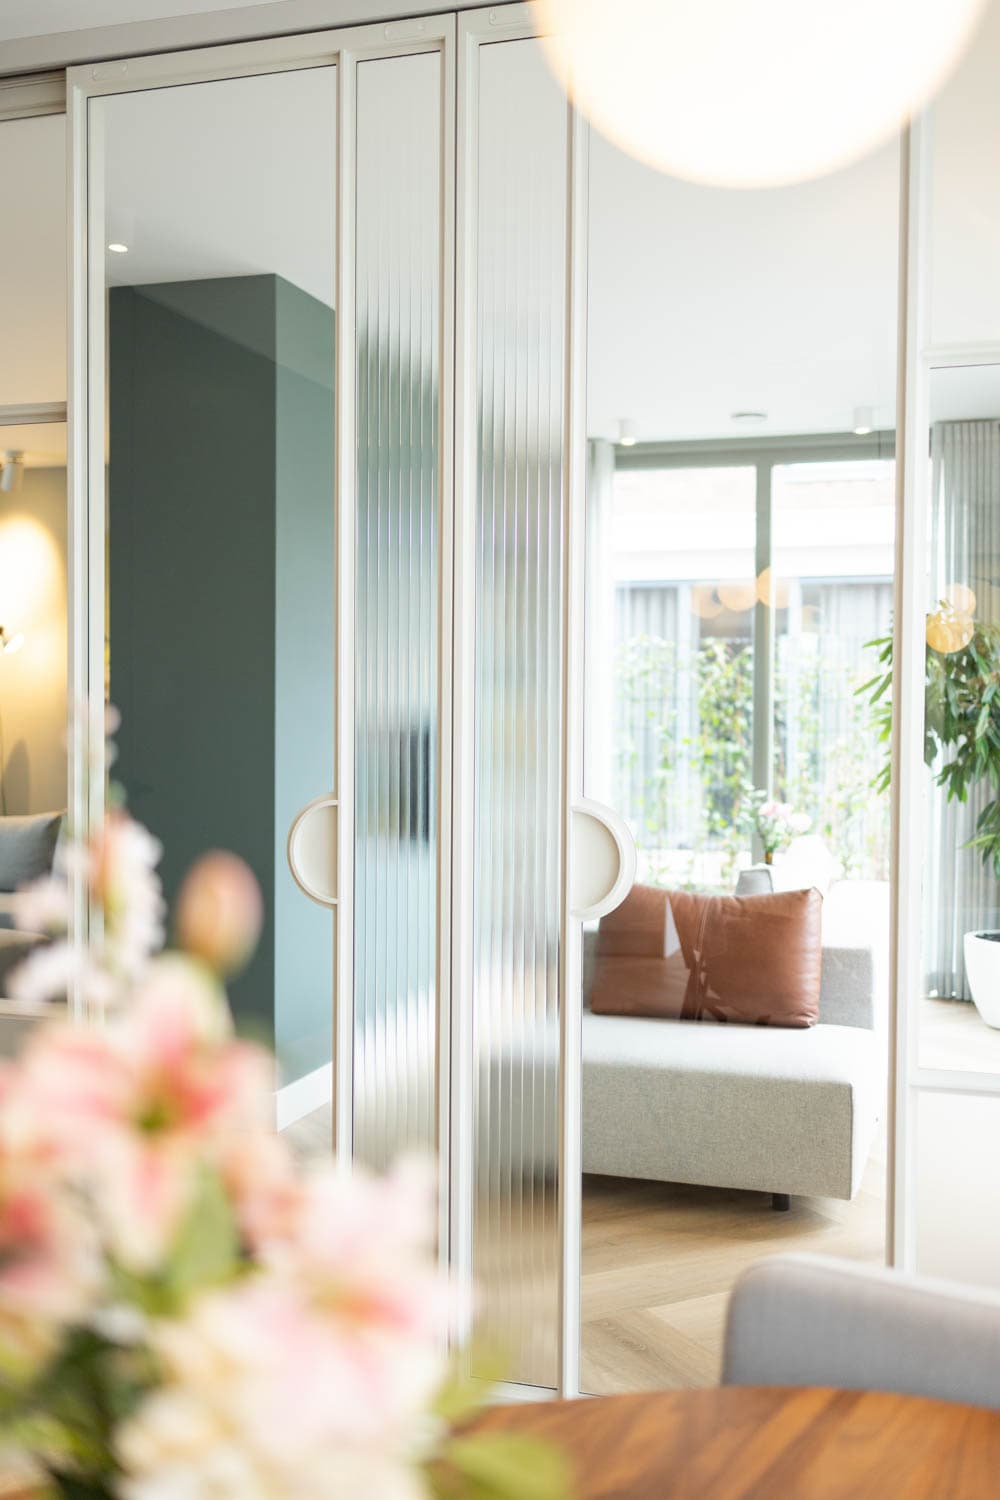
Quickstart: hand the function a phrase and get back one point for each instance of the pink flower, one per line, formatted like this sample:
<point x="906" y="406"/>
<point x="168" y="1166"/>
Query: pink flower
<point x="42" y="906"/>
<point x="361" y="1259"/>
<point x="264" y="1186"/>
<point x="258" y="1401"/>
<point x="354" y="1297"/>
<point x="48" y="1265"/>
<point x="121" y="869"/>
<point x="138" y="1105"/>
<point x="219" y="912"/>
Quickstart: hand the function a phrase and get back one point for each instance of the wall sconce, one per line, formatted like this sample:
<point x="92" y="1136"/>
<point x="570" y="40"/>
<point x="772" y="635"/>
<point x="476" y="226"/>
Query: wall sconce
<point x="10" y="640"/>
<point x="11" y="471"/>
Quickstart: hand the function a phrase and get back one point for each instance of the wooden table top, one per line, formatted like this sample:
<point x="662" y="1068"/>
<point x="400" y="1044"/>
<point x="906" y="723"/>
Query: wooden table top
<point x="759" y="1443"/>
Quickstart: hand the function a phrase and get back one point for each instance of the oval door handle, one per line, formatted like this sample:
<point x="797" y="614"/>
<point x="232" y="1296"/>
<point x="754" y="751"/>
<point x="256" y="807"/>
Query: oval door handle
<point x="312" y="850"/>
<point x="602" y="860"/>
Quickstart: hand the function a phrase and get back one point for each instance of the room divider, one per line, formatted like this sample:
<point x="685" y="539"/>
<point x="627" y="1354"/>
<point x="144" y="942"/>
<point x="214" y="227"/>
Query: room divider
<point x="330" y="472"/>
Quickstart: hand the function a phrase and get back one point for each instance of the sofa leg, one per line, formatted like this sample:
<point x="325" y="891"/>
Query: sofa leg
<point x="781" y="1202"/>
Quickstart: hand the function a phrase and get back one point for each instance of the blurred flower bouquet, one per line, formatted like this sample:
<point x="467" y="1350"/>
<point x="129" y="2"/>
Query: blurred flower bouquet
<point x="774" y="823"/>
<point x="184" y="1314"/>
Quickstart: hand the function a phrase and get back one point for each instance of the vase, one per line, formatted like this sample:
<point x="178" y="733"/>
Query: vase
<point x="982" y="968"/>
<point x="769" y="856"/>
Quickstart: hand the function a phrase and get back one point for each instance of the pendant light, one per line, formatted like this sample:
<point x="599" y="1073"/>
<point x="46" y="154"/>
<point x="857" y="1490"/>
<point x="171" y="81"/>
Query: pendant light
<point x="746" y="95"/>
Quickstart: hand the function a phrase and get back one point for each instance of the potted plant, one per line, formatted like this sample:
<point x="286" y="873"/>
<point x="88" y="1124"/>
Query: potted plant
<point x="774" y="823"/>
<point x="962" y="740"/>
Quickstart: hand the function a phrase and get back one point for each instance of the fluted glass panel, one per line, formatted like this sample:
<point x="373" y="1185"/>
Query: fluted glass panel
<point x="521" y="280"/>
<point x="398" y="307"/>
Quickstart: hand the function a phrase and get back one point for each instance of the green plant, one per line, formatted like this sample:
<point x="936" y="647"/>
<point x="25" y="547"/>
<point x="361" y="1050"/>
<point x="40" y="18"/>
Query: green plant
<point x="961" y="724"/>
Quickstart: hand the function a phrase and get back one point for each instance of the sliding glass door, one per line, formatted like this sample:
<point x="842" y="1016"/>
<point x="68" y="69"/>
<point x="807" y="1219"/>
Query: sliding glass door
<point x="739" y="517"/>
<point x="266" y="233"/>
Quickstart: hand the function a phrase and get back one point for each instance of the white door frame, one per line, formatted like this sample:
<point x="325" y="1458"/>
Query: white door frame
<point x="476" y="29"/>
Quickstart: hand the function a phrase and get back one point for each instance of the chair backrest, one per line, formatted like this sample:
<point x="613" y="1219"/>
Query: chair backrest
<point x="811" y="1320"/>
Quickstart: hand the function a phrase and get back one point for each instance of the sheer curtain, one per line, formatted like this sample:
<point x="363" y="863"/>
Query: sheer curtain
<point x="961" y="894"/>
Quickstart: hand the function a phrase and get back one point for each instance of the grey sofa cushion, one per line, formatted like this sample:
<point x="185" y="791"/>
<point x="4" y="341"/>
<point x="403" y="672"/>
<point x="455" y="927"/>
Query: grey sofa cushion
<point x="755" y="1107"/>
<point x="27" y="848"/>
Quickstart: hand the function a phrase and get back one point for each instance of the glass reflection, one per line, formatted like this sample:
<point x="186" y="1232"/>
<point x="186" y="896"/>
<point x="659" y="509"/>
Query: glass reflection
<point x="962" y="874"/>
<point x="221" y="620"/>
<point x="739" y="568"/>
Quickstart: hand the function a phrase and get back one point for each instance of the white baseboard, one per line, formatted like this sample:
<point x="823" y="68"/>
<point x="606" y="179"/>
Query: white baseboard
<point x="298" y="1099"/>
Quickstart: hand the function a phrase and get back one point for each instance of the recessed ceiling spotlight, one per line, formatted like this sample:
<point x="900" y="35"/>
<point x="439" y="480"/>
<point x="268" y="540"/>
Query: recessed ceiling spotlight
<point x="864" y="421"/>
<point x="749" y="418"/>
<point x="117" y="248"/>
<point x="626" y="432"/>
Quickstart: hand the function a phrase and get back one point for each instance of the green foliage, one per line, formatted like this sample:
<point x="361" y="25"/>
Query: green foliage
<point x="500" y="1466"/>
<point x="683" y="784"/>
<point x="961" y="725"/>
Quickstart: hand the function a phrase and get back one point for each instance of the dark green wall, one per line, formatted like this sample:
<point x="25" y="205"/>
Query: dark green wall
<point x="221" y="575"/>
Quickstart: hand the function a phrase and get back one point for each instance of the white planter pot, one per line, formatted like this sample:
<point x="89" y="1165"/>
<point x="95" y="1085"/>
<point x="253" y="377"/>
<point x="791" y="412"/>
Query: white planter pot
<point x="982" y="965"/>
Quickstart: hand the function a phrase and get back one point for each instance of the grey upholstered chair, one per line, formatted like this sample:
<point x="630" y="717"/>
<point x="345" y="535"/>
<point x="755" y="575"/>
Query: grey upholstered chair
<point x="811" y="1320"/>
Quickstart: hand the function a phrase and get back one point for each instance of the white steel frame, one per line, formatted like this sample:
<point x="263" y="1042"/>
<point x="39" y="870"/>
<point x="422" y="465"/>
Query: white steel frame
<point x="344" y="50"/>
<point x="476" y="29"/>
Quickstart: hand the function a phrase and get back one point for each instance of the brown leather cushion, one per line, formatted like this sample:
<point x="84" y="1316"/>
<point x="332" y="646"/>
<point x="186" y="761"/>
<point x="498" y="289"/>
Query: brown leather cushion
<point x="751" y="959"/>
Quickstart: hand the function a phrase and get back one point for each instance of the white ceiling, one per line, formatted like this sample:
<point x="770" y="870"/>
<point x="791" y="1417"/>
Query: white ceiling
<point x="23" y="18"/>
<point x="705" y="301"/>
<point x="212" y="180"/>
<point x="702" y="301"/>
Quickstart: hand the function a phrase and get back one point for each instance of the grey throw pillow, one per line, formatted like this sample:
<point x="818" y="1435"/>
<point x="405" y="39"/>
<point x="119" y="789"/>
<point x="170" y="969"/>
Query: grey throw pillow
<point x="27" y="847"/>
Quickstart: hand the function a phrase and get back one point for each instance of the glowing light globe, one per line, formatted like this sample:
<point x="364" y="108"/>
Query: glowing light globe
<point x="746" y="95"/>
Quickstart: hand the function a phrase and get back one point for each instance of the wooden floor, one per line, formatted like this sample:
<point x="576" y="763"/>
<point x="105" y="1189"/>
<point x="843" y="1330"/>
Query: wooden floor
<point x="659" y="1261"/>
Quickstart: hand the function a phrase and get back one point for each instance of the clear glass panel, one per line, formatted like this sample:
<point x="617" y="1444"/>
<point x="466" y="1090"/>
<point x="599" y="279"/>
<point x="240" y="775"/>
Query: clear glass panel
<point x="741" y="395"/>
<point x="398" y="251"/>
<point x="219" y="246"/>
<point x="964" y="239"/>
<point x="677" y="563"/>
<point x="521" y="235"/>
<point x="961" y="889"/>
<point x="957" y="1201"/>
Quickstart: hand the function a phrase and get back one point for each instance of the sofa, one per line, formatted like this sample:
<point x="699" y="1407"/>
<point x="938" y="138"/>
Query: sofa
<point x="778" y="1110"/>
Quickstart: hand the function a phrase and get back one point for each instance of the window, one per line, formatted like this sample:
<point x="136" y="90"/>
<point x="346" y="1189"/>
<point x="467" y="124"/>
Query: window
<point x="747" y="598"/>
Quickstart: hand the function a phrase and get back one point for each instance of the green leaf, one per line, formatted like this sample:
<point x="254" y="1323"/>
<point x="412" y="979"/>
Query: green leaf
<point x="206" y="1250"/>
<point x="502" y="1466"/>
